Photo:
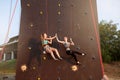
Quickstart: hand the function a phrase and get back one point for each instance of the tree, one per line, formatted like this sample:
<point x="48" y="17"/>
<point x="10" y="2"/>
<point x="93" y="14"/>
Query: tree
<point x="110" y="40"/>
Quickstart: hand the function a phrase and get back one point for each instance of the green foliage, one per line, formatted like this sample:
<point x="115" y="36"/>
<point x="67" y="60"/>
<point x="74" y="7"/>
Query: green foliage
<point x="8" y="66"/>
<point x="110" y="41"/>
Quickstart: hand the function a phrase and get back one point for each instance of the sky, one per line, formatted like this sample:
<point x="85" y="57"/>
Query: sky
<point x="5" y="18"/>
<point x="107" y="10"/>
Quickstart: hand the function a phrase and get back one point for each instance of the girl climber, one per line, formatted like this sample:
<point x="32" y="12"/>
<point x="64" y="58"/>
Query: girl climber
<point x="45" y="43"/>
<point x="68" y="50"/>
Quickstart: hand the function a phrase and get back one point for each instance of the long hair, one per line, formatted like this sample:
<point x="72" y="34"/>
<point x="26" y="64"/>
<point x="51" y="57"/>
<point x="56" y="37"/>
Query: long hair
<point x="41" y="37"/>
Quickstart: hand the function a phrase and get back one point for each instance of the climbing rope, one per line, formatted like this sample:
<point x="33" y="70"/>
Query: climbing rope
<point x="9" y="26"/>
<point x="96" y="33"/>
<point x="10" y="11"/>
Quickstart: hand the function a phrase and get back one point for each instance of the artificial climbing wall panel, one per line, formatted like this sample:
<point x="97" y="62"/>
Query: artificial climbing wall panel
<point x="73" y="18"/>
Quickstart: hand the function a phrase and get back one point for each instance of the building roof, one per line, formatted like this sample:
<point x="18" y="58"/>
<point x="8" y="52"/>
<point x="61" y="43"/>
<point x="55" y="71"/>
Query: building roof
<point x="11" y="41"/>
<point x="15" y="38"/>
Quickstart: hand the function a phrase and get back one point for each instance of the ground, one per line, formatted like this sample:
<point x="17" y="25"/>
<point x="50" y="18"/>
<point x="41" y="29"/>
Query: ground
<point x="112" y="70"/>
<point x="7" y="69"/>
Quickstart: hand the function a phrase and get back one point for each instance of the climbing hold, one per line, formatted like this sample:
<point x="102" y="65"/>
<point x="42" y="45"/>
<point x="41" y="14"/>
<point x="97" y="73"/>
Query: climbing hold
<point x="74" y="68"/>
<point x="59" y="12"/>
<point x="28" y="4"/>
<point x="38" y="79"/>
<point x="44" y="58"/>
<point x="41" y="12"/>
<point x="59" y="4"/>
<point x="92" y="38"/>
<point x="31" y="25"/>
<point x="93" y="57"/>
<point x="29" y="48"/>
<point x="34" y="68"/>
<point x="23" y="67"/>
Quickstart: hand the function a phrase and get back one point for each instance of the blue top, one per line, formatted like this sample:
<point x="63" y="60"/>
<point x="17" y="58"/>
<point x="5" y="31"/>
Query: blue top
<point x="44" y="42"/>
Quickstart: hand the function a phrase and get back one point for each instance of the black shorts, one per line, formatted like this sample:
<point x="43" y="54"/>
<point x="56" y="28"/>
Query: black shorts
<point x="69" y="52"/>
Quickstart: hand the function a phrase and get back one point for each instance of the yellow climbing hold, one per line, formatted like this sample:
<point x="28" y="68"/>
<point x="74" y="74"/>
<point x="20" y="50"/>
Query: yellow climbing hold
<point x="59" y="12"/>
<point x="74" y="68"/>
<point x="31" y="25"/>
<point x="44" y="58"/>
<point x="34" y="68"/>
<point x="28" y="4"/>
<point x="59" y="4"/>
<point x="41" y="12"/>
<point x="38" y="78"/>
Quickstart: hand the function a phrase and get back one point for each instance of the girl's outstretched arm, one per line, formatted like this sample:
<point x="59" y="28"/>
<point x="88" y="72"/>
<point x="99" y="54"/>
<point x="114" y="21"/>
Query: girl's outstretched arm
<point x="59" y="40"/>
<point x="51" y="38"/>
<point x="50" y="41"/>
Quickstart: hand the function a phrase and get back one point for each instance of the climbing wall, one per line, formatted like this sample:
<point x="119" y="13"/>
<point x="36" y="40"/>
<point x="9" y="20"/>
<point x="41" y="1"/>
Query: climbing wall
<point x="73" y="18"/>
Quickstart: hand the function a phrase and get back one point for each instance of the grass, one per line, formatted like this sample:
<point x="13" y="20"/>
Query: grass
<point x="8" y="66"/>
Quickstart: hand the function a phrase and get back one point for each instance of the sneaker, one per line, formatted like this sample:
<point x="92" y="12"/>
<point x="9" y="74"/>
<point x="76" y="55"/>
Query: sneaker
<point x="83" y="54"/>
<point x="78" y="63"/>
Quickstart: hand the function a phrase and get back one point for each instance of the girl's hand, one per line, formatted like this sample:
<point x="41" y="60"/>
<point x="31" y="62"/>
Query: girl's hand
<point x="50" y="37"/>
<point x="56" y="35"/>
<point x="70" y="39"/>
<point x="72" y="43"/>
